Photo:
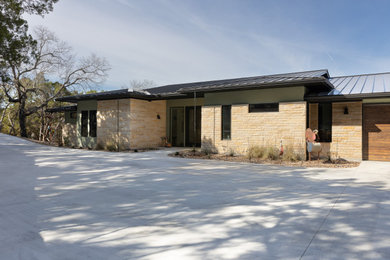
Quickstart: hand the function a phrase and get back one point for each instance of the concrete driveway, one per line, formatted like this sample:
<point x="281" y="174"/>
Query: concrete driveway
<point x="58" y="203"/>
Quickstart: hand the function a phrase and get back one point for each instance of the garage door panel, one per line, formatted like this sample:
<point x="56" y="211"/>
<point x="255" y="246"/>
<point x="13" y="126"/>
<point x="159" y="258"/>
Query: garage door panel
<point x="376" y="134"/>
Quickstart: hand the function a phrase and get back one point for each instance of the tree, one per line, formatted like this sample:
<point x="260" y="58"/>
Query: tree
<point x="3" y="108"/>
<point x="48" y="58"/>
<point x="14" y="36"/>
<point x="142" y="84"/>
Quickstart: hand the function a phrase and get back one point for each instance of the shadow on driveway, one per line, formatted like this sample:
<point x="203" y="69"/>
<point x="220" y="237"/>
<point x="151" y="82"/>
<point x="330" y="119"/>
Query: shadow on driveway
<point x="59" y="203"/>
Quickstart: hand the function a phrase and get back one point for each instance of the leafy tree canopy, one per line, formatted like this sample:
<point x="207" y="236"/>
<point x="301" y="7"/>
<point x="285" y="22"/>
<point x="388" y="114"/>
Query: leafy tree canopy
<point x="14" y="36"/>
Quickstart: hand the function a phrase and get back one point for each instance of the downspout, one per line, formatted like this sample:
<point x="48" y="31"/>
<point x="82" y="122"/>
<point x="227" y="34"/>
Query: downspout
<point x="117" y="125"/>
<point x="194" y="118"/>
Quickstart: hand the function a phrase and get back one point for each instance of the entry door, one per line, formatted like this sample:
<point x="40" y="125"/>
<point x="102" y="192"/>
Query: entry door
<point x="193" y="126"/>
<point x="376" y="132"/>
<point x="177" y="126"/>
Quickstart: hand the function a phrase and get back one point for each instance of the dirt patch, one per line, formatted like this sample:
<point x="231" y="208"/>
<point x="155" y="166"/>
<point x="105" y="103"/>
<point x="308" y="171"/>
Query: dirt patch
<point x="339" y="163"/>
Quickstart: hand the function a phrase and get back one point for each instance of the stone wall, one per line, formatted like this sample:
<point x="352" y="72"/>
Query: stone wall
<point x="69" y="135"/>
<point x="113" y="123"/>
<point x="148" y="123"/>
<point x="259" y="128"/>
<point x="346" y="131"/>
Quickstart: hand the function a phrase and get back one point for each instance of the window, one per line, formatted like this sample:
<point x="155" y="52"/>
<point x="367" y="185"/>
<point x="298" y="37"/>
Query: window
<point x="84" y="123"/>
<point x="92" y="123"/>
<point x="73" y="115"/>
<point x="265" y="107"/>
<point x="325" y="122"/>
<point x="226" y="122"/>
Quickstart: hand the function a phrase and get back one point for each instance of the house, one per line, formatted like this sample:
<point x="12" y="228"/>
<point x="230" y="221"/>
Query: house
<point x="352" y="114"/>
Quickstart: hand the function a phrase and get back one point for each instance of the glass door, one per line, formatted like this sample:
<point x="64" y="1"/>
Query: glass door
<point x="177" y="126"/>
<point x="193" y="126"/>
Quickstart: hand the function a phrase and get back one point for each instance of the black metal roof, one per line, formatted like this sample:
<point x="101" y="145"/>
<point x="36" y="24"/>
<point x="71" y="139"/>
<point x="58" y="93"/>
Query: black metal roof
<point x="319" y="77"/>
<point x="114" y="94"/>
<point x="242" y="83"/>
<point x="319" y="83"/>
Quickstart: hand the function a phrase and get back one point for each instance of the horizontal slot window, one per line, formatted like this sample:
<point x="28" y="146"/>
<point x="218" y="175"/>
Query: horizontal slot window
<point x="264" y="107"/>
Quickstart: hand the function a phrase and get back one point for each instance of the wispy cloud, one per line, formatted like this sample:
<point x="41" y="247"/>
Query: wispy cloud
<point x="181" y="41"/>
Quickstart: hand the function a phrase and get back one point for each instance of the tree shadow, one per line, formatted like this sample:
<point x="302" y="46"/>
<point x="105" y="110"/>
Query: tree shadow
<point x="91" y="204"/>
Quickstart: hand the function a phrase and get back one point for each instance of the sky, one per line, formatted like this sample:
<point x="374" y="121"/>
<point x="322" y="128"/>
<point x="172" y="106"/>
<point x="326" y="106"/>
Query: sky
<point x="179" y="41"/>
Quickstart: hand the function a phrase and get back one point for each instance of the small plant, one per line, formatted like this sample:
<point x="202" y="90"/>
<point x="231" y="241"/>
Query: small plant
<point x="231" y="152"/>
<point x="271" y="153"/>
<point x="207" y="150"/>
<point x="112" y="147"/>
<point x="290" y="155"/>
<point x="67" y="142"/>
<point x="99" y="146"/>
<point x="255" y="151"/>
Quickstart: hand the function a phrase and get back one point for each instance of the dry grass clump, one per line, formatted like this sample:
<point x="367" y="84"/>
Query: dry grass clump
<point x="272" y="153"/>
<point x="291" y="156"/>
<point x="263" y="152"/>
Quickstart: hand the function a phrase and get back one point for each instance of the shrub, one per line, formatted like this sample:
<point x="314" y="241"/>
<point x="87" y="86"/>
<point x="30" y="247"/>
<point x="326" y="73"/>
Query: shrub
<point x="207" y="150"/>
<point x="112" y="147"/>
<point x="263" y="152"/>
<point x="99" y="146"/>
<point x="271" y="153"/>
<point x="290" y="155"/>
<point x="255" y="151"/>
<point x="67" y="142"/>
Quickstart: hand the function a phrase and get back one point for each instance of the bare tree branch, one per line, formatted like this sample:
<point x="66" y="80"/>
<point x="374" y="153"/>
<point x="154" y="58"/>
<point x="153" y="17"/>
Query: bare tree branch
<point x="52" y="58"/>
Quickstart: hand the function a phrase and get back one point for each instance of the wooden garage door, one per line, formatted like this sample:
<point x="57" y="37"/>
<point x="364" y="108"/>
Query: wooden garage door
<point x="376" y="132"/>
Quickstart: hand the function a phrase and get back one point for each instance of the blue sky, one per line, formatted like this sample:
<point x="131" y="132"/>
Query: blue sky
<point x="183" y="41"/>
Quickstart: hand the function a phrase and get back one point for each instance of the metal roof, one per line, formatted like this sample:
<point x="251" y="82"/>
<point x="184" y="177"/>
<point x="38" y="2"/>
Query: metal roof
<point x="114" y="94"/>
<point x="183" y="90"/>
<point x="241" y="83"/>
<point x="318" y="82"/>
<point x="361" y="84"/>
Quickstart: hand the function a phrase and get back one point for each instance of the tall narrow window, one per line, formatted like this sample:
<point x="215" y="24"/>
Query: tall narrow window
<point x="92" y="123"/>
<point x="226" y="122"/>
<point x="84" y="123"/>
<point x="325" y="122"/>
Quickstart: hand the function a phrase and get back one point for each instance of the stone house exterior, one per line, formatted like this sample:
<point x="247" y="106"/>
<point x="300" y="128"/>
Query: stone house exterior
<point x="352" y="114"/>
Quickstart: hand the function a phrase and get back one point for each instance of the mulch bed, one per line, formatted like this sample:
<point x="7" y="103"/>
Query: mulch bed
<point x="339" y="163"/>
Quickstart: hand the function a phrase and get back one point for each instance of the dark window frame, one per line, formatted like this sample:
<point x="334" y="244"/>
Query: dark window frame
<point x="263" y="107"/>
<point x="84" y="123"/>
<point x="73" y="115"/>
<point x="92" y="123"/>
<point x="325" y="128"/>
<point x="226" y="122"/>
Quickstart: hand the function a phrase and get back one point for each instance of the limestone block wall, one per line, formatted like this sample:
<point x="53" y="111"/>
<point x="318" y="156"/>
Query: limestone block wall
<point x="113" y="123"/>
<point x="148" y="123"/>
<point x="346" y="130"/>
<point x="69" y="135"/>
<point x="260" y="128"/>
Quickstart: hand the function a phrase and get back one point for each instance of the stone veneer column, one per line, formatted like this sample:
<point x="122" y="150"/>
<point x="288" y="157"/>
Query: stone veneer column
<point x="148" y="123"/>
<point x="347" y="131"/>
<point x="113" y="123"/>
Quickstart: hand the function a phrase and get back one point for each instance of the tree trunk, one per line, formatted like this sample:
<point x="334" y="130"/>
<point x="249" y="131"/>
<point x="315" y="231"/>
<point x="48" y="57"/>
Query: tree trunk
<point x="12" y="124"/>
<point x="22" y="117"/>
<point x="42" y="127"/>
<point x="2" y="116"/>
